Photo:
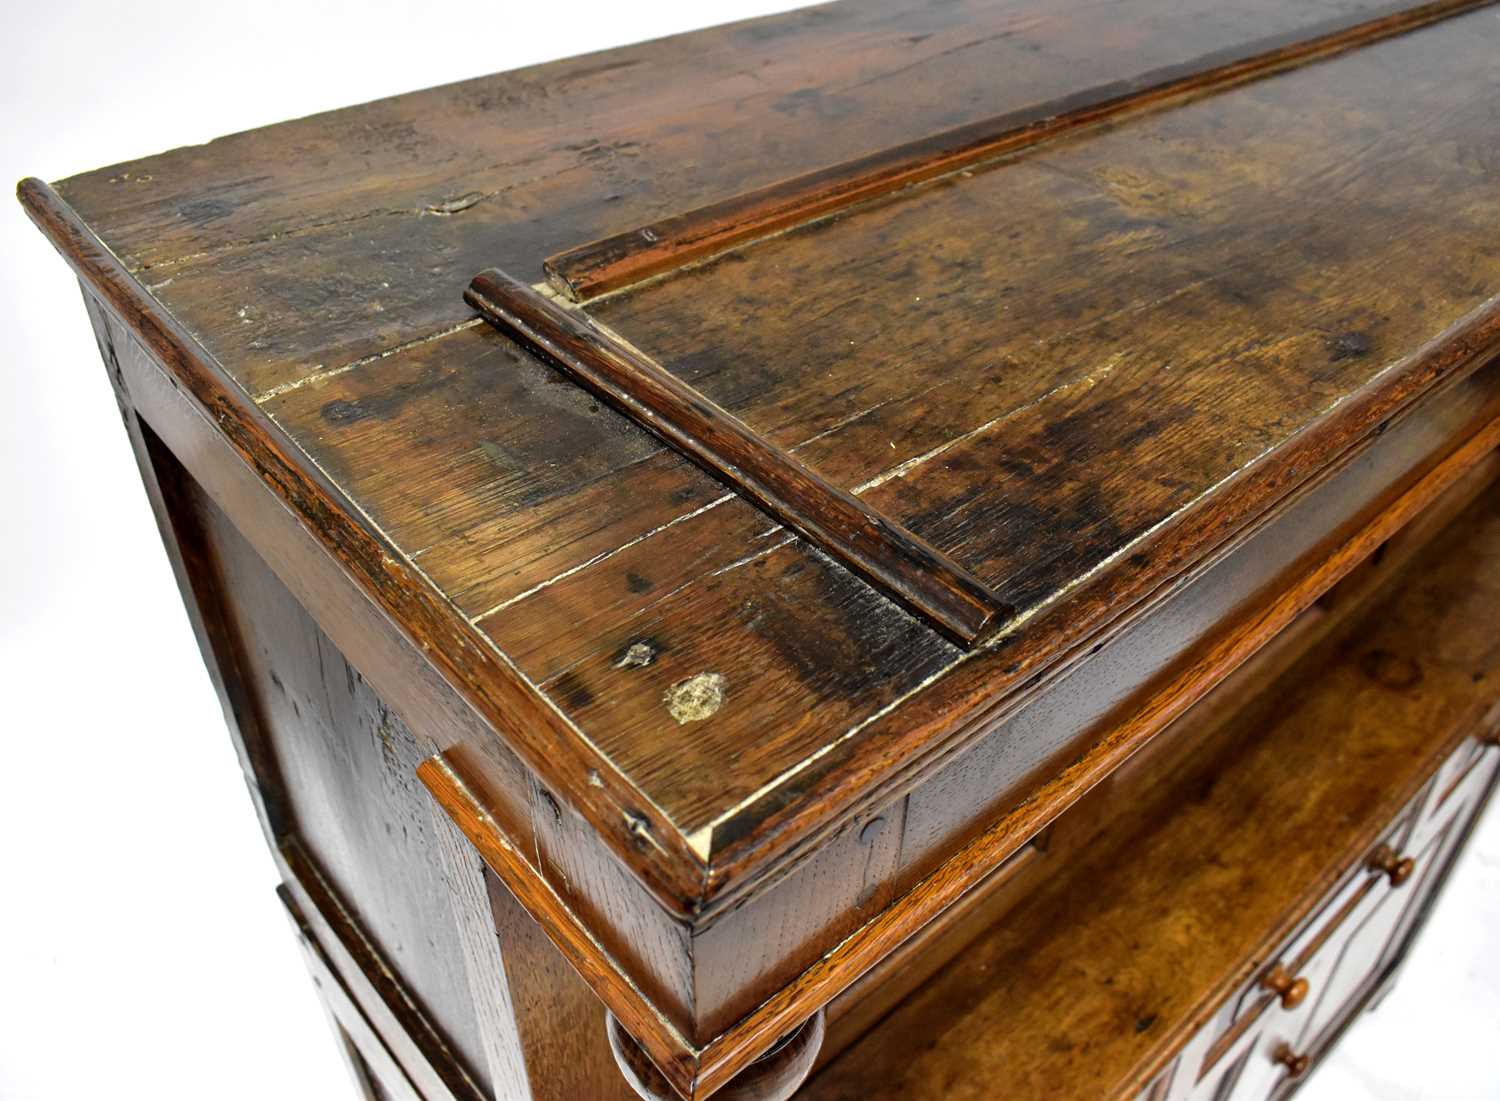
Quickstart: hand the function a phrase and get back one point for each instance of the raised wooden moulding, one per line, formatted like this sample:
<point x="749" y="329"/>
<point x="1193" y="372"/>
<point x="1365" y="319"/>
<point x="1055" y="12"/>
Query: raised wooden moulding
<point x="902" y="565"/>
<point x="607" y="265"/>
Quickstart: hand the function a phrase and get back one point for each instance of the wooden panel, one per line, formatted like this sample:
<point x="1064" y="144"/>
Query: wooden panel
<point x="835" y="880"/>
<point x="348" y="766"/>
<point x="601" y="266"/>
<point x="377" y="1074"/>
<point x="1019" y="416"/>
<point x="1195" y="276"/>
<point x="309" y="245"/>
<point x="560" y="1021"/>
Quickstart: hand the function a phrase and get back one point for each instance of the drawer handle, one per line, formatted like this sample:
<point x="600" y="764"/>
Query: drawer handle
<point x="1293" y="992"/>
<point x="1398" y="869"/>
<point x="1296" y="1065"/>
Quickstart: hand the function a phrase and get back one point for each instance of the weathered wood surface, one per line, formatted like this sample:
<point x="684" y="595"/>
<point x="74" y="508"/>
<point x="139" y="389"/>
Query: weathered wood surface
<point x="885" y="554"/>
<point x="1129" y="344"/>
<point x="599" y="267"/>
<point x="1099" y="975"/>
<point x="343" y="234"/>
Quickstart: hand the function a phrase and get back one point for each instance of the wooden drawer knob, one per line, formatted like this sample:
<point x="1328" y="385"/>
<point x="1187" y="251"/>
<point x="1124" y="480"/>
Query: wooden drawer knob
<point x="1292" y="991"/>
<point x="1398" y="869"/>
<point x="1296" y="1065"/>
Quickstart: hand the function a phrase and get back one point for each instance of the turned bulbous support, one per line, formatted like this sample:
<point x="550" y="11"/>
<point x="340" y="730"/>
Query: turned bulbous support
<point x="775" y="1076"/>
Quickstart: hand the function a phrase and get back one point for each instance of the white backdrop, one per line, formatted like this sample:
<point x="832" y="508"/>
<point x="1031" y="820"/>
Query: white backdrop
<point x="142" y="953"/>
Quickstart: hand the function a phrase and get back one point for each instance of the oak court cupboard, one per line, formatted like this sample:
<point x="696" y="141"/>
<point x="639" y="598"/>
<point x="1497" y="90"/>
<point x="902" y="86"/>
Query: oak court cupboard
<point x="889" y="551"/>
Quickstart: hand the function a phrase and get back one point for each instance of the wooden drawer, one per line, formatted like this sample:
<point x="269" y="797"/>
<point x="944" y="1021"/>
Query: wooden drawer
<point x="1272" y="1009"/>
<point x="1291" y="980"/>
<point x="1344" y="949"/>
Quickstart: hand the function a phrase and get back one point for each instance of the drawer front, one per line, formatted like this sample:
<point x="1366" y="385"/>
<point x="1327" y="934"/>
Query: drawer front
<point x="1264" y="1038"/>
<point x="1293" y="978"/>
<point x="1344" y="973"/>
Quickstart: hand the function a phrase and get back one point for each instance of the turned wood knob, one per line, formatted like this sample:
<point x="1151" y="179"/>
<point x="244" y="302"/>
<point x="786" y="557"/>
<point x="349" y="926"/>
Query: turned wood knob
<point x="1293" y="991"/>
<point x="1296" y="1065"/>
<point x="775" y="1076"/>
<point x="1397" y="868"/>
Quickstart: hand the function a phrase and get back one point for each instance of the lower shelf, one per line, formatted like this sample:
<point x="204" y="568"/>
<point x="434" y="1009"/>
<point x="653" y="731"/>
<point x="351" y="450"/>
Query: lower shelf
<point x="1279" y="836"/>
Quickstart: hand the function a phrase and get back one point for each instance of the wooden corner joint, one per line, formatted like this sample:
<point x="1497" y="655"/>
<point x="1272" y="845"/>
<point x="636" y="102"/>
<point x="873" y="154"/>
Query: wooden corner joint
<point x="775" y="1076"/>
<point x="750" y="1062"/>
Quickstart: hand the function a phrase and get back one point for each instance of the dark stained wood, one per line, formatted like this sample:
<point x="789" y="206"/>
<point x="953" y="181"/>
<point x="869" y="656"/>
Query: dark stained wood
<point x="364" y="557"/>
<point x="1141" y="720"/>
<point x="572" y="546"/>
<point x="377" y="1074"/>
<point x="1167" y="446"/>
<point x="492" y="1005"/>
<point x="1098" y="958"/>
<point x="426" y="703"/>
<point x="901" y="565"/>
<point x="420" y="191"/>
<point x="654" y="561"/>
<point x="668" y="1049"/>
<point x="1138" y="720"/>
<point x="346" y="767"/>
<point x="600" y="267"/>
<point x="1180" y="386"/>
<point x="416" y="1044"/>
<point x="559" y="1019"/>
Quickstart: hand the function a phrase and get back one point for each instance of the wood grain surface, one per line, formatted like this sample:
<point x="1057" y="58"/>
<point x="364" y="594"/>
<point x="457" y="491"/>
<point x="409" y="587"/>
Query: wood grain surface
<point x="1128" y="950"/>
<point x="600" y="267"/>
<point x="1077" y="371"/>
<point x="887" y="555"/>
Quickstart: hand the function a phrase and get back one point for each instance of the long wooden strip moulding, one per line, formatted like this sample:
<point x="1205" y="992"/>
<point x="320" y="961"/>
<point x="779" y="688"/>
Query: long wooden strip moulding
<point x="600" y="267"/>
<point x="899" y="563"/>
<point x="699" y="1071"/>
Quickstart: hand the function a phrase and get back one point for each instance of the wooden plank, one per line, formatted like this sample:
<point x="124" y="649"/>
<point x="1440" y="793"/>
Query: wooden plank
<point x="1164" y="235"/>
<point x="1228" y="386"/>
<point x="1028" y="465"/>
<point x="401" y="485"/>
<point x="588" y="271"/>
<point x="373" y="218"/>
<point x="672" y="1052"/>
<point x="901" y="565"/>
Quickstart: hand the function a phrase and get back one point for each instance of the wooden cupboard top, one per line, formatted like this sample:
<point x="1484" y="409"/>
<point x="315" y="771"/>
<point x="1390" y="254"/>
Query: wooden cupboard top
<point x="1161" y="298"/>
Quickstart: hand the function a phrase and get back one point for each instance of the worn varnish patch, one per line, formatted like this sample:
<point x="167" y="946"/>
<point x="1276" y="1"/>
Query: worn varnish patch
<point x="695" y="699"/>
